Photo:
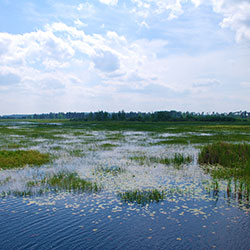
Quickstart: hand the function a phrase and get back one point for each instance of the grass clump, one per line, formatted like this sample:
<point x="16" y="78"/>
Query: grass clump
<point x="142" y="197"/>
<point x="227" y="161"/>
<point x="113" y="170"/>
<point x="178" y="160"/>
<point x="225" y="154"/>
<point x="70" y="182"/>
<point x="76" y="153"/>
<point x="20" y="158"/>
<point x="108" y="146"/>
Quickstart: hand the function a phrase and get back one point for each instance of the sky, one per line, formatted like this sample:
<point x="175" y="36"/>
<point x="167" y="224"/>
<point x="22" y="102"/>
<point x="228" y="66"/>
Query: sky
<point x="132" y="55"/>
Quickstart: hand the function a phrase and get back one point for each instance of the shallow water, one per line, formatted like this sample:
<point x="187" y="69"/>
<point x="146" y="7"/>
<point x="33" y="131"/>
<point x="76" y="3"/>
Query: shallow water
<point x="101" y="221"/>
<point x="191" y="216"/>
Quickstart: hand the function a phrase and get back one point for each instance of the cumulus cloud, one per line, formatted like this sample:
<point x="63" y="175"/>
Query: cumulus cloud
<point x="147" y="7"/>
<point x="106" y="61"/>
<point x="79" y="23"/>
<point x="109" y="2"/>
<point x="236" y="15"/>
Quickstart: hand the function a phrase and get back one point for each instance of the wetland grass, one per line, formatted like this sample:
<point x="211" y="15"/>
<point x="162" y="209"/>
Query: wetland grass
<point x="225" y="154"/>
<point x="70" y="182"/>
<point x="20" y="158"/>
<point x="142" y="197"/>
<point x="178" y="159"/>
<point x="76" y="153"/>
<point x="113" y="170"/>
<point x="229" y="162"/>
<point x="108" y="146"/>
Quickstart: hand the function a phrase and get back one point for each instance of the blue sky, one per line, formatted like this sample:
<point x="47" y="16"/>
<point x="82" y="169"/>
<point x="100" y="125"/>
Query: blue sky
<point x="133" y="55"/>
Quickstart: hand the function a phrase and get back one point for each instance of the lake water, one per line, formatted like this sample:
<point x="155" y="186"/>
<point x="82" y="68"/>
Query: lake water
<point x="191" y="216"/>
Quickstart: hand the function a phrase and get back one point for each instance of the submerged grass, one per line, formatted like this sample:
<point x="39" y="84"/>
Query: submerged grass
<point x="20" y="158"/>
<point x="142" y="197"/>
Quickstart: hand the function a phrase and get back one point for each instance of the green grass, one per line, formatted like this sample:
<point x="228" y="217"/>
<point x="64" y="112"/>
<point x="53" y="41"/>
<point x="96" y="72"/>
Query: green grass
<point x="20" y="158"/>
<point x="225" y="154"/>
<point x="142" y="197"/>
<point x="108" y="146"/>
<point x="76" y="153"/>
<point x="178" y="160"/>
<point x="227" y="161"/>
<point x="70" y="182"/>
<point x="113" y="170"/>
<point x="6" y="180"/>
<point x="13" y="146"/>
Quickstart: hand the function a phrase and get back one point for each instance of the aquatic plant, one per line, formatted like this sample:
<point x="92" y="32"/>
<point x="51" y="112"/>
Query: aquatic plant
<point x="113" y="170"/>
<point x="76" y="153"/>
<point x="20" y="158"/>
<point x="178" y="160"/>
<point x="227" y="160"/>
<point x="225" y="154"/>
<point x="107" y="146"/>
<point x="70" y="182"/>
<point x="142" y="196"/>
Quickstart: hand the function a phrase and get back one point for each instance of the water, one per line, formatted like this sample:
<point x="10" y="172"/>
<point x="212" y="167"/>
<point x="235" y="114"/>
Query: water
<point x="191" y="216"/>
<point x="101" y="221"/>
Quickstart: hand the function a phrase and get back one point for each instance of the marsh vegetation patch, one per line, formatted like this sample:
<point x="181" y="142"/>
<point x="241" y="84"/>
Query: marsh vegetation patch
<point x="178" y="159"/>
<point x="228" y="160"/>
<point x="20" y="158"/>
<point x="70" y="181"/>
<point x="142" y="196"/>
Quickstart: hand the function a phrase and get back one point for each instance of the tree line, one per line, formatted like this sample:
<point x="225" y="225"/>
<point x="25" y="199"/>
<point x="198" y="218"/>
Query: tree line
<point x="137" y="116"/>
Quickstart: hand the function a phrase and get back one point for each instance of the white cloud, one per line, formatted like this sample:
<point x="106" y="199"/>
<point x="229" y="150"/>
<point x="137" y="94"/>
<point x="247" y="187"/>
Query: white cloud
<point x="109" y="2"/>
<point x="236" y="15"/>
<point x="146" y="7"/>
<point x="86" y="69"/>
<point x="106" y="61"/>
<point x="79" y="23"/>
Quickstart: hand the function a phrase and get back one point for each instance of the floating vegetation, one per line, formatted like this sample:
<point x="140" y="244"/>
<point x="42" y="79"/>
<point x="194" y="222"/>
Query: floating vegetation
<point x="113" y="170"/>
<point x="142" y="197"/>
<point x="70" y="182"/>
<point x="20" y="158"/>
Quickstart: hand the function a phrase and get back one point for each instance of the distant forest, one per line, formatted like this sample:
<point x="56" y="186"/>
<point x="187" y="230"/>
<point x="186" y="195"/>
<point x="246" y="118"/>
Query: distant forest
<point x="138" y="116"/>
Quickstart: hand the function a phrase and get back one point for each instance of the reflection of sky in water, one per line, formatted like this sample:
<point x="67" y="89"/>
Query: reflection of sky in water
<point x="101" y="221"/>
<point x="189" y="218"/>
